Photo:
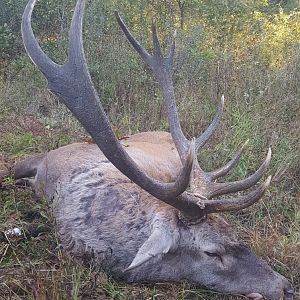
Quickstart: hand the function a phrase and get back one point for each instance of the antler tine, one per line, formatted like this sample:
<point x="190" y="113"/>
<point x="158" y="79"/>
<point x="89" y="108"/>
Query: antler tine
<point x="204" y="137"/>
<point x="72" y="84"/>
<point x="229" y="166"/>
<point x="135" y="44"/>
<point x="161" y="68"/>
<point x="76" y="51"/>
<point x="196" y="209"/>
<point x="172" y="48"/>
<point x="235" y="204"/>
<point x="33" y="49"/>
<point x="217" y="189"/>
<point x="156" y="44"/>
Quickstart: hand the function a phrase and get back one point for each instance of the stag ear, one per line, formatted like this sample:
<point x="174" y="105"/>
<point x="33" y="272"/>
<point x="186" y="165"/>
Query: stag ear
<point x="160" y="242"/>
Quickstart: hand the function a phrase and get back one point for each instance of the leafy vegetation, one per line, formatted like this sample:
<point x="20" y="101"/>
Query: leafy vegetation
<point x="246" y="49"/>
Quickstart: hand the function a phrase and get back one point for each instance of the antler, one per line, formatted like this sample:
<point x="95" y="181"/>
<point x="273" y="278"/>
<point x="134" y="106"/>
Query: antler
<point x="161" y="67"/>
<point x="72" y="83"/>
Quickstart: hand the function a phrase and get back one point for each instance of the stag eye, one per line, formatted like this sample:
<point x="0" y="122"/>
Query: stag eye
<point x="213" y="254"/>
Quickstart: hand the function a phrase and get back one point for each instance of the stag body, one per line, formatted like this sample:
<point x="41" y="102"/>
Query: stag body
<point x="144" y="208"/>
<point x="100" y="210"/>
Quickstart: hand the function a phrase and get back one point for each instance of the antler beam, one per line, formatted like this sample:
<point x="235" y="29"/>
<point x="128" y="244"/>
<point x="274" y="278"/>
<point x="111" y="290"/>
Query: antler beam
<point x="72" y="83"/>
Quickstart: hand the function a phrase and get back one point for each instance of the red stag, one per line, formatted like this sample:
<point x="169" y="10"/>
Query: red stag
<point x="146" y="211"/>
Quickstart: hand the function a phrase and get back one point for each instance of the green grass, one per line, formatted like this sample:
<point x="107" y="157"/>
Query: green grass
<point x="34" y="266"/>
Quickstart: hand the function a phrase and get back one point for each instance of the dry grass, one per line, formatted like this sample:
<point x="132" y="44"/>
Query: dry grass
<point x="261" y="105"/>
<point x="33" y="266"/>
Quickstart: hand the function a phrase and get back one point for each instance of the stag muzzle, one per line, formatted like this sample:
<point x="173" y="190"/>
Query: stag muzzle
<point x="285" y="291"/>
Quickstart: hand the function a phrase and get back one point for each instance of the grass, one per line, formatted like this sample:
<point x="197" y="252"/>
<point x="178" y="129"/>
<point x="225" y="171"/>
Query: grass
<point x="33" y="265"/>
